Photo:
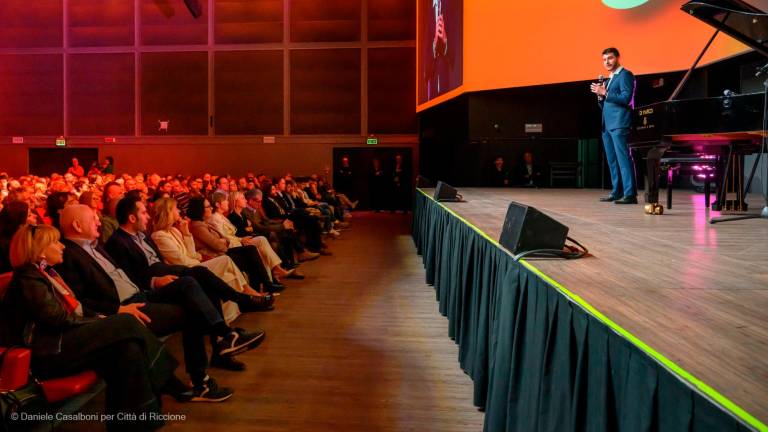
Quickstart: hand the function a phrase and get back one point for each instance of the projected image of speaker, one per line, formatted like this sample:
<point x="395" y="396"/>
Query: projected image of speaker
<point x="195" y="8"/>
<point x="446" y="192"/>
<point x="527" y="230"/>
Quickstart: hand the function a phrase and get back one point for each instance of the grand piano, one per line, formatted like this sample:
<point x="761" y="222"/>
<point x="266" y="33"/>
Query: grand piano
<point x="719" y="129"/>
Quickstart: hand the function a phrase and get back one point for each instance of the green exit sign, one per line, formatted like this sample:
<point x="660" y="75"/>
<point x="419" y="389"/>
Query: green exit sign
<point x="372" y="141"/>
<point x="61" y="142"/>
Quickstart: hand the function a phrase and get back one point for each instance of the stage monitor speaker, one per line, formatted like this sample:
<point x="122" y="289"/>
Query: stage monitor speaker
<point x="526" y="229"/>
<point x="423" y="182"/>
<point x="194" y="8"/>
<point x="446" y="192"/>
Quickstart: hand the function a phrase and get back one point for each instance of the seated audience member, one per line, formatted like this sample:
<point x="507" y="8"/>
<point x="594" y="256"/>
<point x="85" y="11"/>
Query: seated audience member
<point x="499" y="176"/>
<point x="529" y="173"/>
<point x="12" y="217"/>
<point x="177" y="246"/>
<point x="108" y="166"/>
<point x="307" y="226"/>
<point x="322" y="211"/>
<point x="222" y="185"/>
<point x="108" y="221"/>
<point x="220" y="222"/>
<point x="210" y="242"/>
<point x="180" y="194"/>
<point x="139" y="257"/>
<point x="76" y="170"/>
<point x="92" y="199"/>
<point x="95" y="169"/>
<point x="196" y="188"/>
<point x="41" y="312"/>
<point x="290" y="248"/>
<point x="112" y="190"/>
<point x="169" y="305"/>
<point x="152" y="183"/>
<point x="56" y="203"/>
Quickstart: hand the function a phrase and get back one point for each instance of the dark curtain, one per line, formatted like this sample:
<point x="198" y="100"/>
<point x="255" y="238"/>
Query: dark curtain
<point x="539" y="361"/>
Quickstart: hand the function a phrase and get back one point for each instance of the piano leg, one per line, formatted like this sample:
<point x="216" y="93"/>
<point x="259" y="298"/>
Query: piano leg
<point x="670" y="179"/>
<point x="653" y="164"/>
<point x="706" y="192"/>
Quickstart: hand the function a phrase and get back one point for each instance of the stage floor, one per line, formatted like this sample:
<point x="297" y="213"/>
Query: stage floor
<point x="697" y="293"/>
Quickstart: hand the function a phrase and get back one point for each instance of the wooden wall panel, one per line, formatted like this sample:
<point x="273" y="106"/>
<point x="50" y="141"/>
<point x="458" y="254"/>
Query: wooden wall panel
<point x="32" y="94"/>
<point x="168" y="22"/>
<point x="325" y="21"/>
<point x="31" y="24"/>
<point x="249" y="92"/>
<point x="325" y="91"/>
<point x="100" y="94"/>
<point x="391" y="20"/>
<point x="248" y="21"/>
<point x="391" y="88"/>
<point x="101" y="23"/>
<point x="174" y="87"/>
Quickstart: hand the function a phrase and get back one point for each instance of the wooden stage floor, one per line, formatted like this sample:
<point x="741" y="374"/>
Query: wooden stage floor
<point x="697" y="293"/>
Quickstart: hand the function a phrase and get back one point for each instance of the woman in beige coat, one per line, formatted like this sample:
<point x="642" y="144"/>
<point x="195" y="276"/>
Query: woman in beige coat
<point x="177" y="246"/>
<point x="218" y="221"/>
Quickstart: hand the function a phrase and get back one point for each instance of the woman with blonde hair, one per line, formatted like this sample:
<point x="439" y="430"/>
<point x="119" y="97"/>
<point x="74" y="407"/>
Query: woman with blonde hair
<point x="177" y="246"/>
<point x="41" y="312"/>
<point x="220" y="222"/>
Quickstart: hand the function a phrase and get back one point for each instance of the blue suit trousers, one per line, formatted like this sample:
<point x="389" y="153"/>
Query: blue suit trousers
<point x="619" y="162"/>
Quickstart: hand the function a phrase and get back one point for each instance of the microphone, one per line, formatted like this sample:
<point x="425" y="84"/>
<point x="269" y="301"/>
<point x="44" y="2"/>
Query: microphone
<point x="761" y="70"/>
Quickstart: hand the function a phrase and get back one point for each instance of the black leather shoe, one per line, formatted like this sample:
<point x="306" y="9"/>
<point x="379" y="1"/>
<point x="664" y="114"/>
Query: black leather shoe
<point x="626" y="200"/>
<point x="256" y="303"/>
<point x="273" y="287"/>
<point x="227" y="363"/>
<point x="609" y="198"/>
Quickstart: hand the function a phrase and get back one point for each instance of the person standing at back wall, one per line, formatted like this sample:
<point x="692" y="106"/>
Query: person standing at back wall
<point x="617" y="99"/>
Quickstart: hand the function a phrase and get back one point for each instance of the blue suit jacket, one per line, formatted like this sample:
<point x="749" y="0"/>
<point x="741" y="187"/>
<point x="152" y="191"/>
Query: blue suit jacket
<point x="619" y="101"/>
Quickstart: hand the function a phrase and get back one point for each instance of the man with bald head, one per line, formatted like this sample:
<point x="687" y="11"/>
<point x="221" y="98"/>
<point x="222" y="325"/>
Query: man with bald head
<point x="175" y="303"/>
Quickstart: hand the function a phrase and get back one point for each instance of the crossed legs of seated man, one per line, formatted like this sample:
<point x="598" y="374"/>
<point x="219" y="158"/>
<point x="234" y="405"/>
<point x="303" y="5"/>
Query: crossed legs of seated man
<point x="216" y="291"/>
<point x="183" y="306"/>
<point x="180" y="304"/>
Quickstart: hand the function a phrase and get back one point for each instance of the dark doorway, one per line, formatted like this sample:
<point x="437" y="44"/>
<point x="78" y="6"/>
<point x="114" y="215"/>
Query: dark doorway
<point x="45" y="161"/>
<point x="368" y="189"/>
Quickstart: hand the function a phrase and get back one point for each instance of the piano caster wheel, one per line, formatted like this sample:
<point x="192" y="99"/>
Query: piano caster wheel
<point x="654" y="209"/>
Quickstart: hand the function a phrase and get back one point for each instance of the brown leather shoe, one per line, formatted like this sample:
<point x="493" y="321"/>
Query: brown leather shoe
<point x="308" y="256"/>
<point x="296" y="275"/>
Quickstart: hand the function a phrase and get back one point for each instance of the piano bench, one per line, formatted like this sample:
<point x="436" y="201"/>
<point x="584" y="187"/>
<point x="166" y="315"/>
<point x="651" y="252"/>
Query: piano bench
<point x="674" y="164"/>
<point x="570" y="171"/>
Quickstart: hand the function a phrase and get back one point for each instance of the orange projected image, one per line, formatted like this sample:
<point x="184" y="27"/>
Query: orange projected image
<point x="513" y="44"/>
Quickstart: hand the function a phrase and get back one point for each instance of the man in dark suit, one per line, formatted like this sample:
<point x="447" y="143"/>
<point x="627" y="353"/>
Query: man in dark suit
<point x="617" y="99"/>
<point x="170" y="305"/>
<point x="137" y="255"/>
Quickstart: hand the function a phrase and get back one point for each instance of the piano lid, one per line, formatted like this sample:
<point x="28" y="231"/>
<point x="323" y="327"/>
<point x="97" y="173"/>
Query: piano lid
<point x="737" y="18"/>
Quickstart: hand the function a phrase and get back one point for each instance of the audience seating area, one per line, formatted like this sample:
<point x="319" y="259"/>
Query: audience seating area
<point x="265" y="227"/>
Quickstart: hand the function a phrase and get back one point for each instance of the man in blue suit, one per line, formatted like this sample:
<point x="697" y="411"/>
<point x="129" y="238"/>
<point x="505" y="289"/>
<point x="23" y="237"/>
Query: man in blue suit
<point x="617" y="99"/>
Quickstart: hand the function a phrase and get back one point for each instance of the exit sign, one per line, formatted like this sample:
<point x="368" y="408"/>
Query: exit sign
<point x="372" y="141"/>
<point x="61" y="142"/>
